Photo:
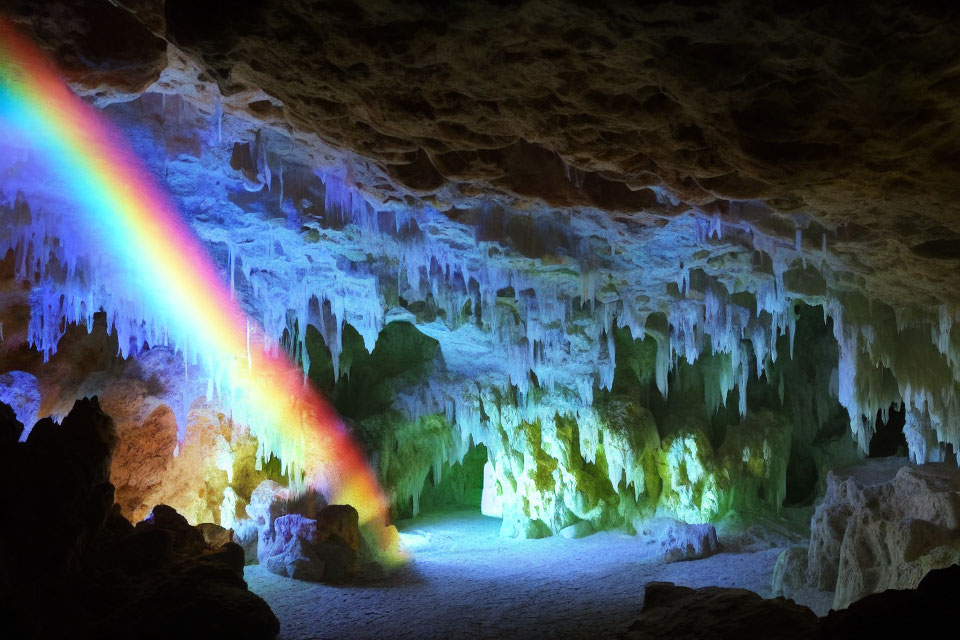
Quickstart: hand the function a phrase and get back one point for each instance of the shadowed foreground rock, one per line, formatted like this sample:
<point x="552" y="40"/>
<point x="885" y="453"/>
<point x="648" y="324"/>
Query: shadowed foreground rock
<point x="676" y="612"/>
<point x="72" y="566"/>
<point x="718" y="613"/>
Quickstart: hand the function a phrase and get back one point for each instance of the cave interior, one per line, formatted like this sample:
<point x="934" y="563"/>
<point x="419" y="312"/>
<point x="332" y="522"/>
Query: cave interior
<point x="406" y="319"/>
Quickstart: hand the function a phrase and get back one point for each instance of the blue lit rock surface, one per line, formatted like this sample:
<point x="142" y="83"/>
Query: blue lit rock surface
<point x="605" y="281"/>
<point x="881" y="527"/>
<point x="21" y="391"/>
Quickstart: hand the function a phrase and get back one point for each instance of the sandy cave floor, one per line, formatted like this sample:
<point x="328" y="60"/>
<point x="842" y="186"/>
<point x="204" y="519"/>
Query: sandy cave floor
<point x="468" y="582"/>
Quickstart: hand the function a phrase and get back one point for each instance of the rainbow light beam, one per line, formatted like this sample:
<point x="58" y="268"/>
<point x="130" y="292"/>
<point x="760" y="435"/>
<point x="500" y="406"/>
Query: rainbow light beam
<point x="133" y="225"/>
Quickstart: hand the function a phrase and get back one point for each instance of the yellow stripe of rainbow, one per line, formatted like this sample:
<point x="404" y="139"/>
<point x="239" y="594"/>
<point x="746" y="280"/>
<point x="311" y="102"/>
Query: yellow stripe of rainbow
<point x="137" y="224"/>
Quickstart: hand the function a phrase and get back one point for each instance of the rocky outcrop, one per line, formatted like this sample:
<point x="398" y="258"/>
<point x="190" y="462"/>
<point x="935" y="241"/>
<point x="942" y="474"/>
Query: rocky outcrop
<point x="307" y="549"/>
<point x="688" y="174"/>
<point x="680" y="541"/>
<point x="300" y="536"/>
<point x="923" y="612"/>
<point x="790" y="571"/>
<point x="101" y="576"/>
<point x="716" y="613"/>
<point x="548" y="475"/>
<point x="21" y="391"/>
<point x="879" y="527"/>
<point x="247" y="535"/>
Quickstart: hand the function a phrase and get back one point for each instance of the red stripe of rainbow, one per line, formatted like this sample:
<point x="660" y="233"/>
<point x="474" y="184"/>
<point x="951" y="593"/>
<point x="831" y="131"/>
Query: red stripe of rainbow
<point x="137" y="224"/>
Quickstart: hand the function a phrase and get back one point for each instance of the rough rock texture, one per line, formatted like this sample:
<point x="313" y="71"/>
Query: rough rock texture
<point x="247" y="535"/>
<point x="716" y="613"/>
<point x="100" y="576"/>
<point x="922" y="612"/>
<point x="157" y="411"/>
<point x="302" y="537"/>
<point x="304" y="549"/>
<point x="790" y="572"/>
<point x="880" y="531"/>
<point x="541" y="481"/>
<point x="806" y="109"/>
<point x="550" y="196"/>
<point x="679" y="540"/>
<point x="21" y="392"/>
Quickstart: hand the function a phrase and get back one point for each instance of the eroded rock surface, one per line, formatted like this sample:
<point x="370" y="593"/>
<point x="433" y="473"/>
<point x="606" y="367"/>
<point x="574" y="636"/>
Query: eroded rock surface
<point x="535" y="190"/>
<point x="302" y="537"/>
<point x="879" y="527"/>
<point x="807" y="109"/>
<point x="546" y="208"/>
<point x="679" y="540"/>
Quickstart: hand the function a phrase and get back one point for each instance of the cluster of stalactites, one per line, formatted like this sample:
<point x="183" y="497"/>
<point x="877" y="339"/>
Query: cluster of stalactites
<point x="894" y="357"/>
<point x="552" y="323"/>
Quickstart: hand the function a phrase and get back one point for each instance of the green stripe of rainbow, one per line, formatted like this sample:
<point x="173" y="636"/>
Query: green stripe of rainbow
<point x="137" y="225"/>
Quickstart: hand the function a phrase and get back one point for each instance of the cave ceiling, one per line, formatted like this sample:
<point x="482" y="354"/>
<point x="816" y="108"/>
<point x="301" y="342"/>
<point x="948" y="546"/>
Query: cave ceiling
<point x="533" y="172"/>
<point x="837" y="119"/>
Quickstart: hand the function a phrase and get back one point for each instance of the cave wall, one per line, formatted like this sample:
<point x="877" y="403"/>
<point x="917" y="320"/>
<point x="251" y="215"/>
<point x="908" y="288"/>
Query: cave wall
<point x="655" y="193"/>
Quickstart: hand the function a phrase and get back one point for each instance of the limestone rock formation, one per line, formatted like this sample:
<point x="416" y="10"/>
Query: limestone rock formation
<point x="247" y="535"/>
<point x="299" y="536"/>
<point x="542" y="480"/>
<point x="678" y="540"/>
<point x="305" y="549"/>
<point x="21" y="392"/>
<point x="691" y="173"/>
<point x="790" y="571"/>
<point x="879" y="527"/>
<point x="589" y="252"/>
<point x="577" y="530"/>
<point x="930" y="606"/>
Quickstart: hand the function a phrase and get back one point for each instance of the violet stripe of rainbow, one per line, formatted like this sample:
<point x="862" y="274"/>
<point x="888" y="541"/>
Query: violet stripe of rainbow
<point x="136" y="224"/>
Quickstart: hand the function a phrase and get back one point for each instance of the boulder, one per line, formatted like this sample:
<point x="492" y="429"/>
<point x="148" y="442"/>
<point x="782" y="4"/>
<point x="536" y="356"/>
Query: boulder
<point x="341" y="521"/>
<point x="297" y="550"/>
<point x="790" y="571"/>
<point x="879" y="529"/>
<point x="300" y="536"/>
<point x="246" y="534"/>
<point x="308" y="549"/>
<point x="715" y="613"/>
<point x="214" y="535"/>
<point x="680" y="541"/>
<point x="670" y="611"/>
<point x="925" y="612"/>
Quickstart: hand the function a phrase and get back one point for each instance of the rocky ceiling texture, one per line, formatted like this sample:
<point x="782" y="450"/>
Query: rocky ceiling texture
<point x="516" y="179"/>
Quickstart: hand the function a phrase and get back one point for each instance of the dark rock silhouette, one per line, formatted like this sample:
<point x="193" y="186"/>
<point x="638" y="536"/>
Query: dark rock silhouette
<point x="72" y="566"/>
<point x="716" y="613"/>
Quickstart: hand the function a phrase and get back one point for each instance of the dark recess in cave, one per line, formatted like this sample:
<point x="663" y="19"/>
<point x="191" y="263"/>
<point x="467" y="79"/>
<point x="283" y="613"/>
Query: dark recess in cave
<point x="889" y="439"/>
<point x="368" y="381"/>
